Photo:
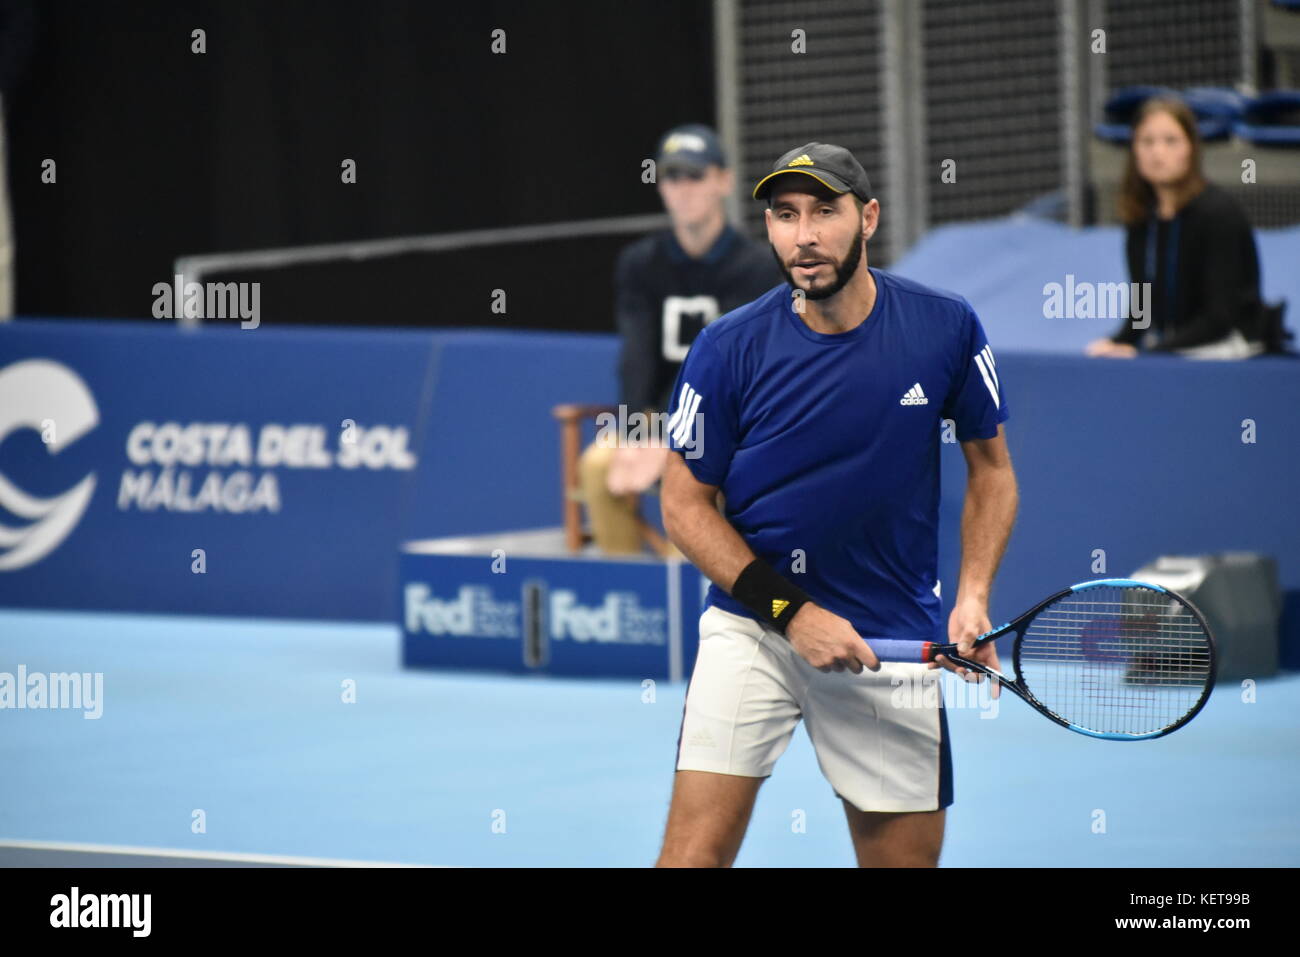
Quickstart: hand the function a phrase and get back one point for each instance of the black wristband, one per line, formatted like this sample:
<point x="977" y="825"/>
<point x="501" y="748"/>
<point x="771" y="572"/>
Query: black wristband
<point x="769" y="596"/>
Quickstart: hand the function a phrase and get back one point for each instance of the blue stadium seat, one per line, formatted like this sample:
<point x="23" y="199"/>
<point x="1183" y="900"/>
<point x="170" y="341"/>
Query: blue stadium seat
<point x="1120" y="108"/>
<point x="1216" y="108"/>
<point x="1271" y="119"/>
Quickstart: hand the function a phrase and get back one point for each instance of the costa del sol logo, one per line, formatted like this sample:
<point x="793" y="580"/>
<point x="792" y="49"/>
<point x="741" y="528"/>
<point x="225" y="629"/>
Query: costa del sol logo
<point x="50" y="398"/>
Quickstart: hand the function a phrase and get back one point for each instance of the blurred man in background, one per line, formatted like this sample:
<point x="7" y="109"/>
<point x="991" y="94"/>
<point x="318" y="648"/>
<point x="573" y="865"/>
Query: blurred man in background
<point x="668" y="286"/>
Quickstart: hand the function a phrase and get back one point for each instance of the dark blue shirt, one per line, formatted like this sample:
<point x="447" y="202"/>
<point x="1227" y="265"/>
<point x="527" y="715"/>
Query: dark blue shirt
<point x="826" y="446"/>
<point x="663" y="298"/>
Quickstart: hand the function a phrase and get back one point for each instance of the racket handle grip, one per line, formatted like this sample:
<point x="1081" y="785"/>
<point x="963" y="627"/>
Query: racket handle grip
<point x="898" y="649"/>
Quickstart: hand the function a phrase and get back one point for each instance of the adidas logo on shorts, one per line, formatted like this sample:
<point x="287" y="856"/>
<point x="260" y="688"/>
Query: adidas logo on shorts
<point x="702" y="739"/>
<point x="914" y="396"/>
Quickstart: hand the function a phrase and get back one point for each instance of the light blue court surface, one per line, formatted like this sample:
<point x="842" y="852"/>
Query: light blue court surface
<point x="245" y="721"/>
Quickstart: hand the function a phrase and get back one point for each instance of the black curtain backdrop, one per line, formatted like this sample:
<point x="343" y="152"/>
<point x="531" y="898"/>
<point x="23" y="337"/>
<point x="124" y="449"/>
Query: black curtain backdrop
<point x="162" y="152"/>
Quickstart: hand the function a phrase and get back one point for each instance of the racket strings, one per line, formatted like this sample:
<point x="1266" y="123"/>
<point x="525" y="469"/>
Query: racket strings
<point x="1117" y="660"/>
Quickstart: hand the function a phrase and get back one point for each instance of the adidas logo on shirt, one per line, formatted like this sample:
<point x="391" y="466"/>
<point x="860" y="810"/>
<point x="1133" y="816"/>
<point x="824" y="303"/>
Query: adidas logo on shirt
<point x="914" y="396"/>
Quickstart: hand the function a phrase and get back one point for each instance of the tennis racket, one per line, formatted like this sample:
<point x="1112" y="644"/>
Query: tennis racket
<point x="1113" y="658"/>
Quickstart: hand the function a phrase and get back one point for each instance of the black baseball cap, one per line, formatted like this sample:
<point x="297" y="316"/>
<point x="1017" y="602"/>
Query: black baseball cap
<point x="691" y="147"/>
<point x="832" y="166"/>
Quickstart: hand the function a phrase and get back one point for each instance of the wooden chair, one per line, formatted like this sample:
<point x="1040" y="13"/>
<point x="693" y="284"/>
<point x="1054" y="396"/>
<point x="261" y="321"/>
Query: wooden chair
<point x="571" y="418"/>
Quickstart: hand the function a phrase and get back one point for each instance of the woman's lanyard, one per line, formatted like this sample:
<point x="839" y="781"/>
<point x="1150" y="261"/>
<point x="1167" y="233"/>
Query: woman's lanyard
<point x="1171" y="266"/>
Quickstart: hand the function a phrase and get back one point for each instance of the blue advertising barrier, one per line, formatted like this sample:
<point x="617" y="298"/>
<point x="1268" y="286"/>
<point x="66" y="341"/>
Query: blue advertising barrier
<point x="1120" y="461"/>
<point x="515" y="603"/>
<point x="244" y="472"/>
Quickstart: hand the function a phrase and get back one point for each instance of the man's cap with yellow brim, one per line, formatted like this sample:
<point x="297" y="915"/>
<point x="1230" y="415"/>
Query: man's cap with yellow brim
<point x="832" y="166"/>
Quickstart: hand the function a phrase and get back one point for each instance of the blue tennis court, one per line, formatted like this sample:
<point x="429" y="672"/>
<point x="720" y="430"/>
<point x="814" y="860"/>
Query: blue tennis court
<point x="245" y="722"/>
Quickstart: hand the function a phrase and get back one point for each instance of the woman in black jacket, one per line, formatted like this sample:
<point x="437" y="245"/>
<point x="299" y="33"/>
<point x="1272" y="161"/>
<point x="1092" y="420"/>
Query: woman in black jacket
<point x="1189" y="241"/>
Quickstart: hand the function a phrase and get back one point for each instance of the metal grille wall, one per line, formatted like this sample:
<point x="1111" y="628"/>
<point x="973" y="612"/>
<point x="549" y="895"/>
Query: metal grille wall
<point x="992" y="105"/>
<point x="990" y="100"/>
<point x="1177" y="43"/>
<point x="1006" y="89"/>
<point x="831" y="93"/>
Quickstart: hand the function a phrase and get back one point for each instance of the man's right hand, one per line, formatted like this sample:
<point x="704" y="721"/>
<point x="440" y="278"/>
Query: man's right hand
<point x="828" y="642"/>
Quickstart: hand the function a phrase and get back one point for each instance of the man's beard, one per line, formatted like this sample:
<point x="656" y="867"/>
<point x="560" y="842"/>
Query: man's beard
<point x="843" y="271"/>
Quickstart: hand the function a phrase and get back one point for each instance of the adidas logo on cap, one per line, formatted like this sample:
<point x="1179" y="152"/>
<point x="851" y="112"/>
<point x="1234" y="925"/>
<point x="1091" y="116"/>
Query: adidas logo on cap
<point x="914" y="396"/>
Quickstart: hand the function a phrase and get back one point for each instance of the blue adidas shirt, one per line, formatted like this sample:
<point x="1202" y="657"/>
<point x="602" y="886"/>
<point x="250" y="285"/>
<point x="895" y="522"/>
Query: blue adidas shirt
<point x="826" y="447"/>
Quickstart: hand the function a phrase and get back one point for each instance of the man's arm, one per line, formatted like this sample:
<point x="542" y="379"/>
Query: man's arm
<point x="986" y="520"/>
<point x="987" y="515"/>
<point x="693" y="522"/>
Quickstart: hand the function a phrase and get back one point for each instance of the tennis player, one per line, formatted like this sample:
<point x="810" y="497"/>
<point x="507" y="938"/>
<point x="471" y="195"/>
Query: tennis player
<point x="818" y="410"/>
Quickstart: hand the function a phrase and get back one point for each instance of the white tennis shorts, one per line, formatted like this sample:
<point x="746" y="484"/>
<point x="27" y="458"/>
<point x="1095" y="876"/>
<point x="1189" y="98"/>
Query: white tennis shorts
<point x="881" y="738"/>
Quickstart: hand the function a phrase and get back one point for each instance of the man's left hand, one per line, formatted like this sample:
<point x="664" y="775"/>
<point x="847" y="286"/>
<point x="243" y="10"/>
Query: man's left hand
<point x="969" y="620"/>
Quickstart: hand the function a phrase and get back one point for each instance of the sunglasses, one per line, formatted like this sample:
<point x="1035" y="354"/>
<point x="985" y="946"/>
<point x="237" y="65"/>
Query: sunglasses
<point x="673" y="175"/>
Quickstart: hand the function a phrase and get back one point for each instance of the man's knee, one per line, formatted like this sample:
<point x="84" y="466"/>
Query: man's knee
<point x="687" y="855"/>
<point x="896" y="839"/>
<point x="698" y="848"/>
<point x="920" y="855"/>
<point x="667" y="860"/>
<point x="707" y="819"/>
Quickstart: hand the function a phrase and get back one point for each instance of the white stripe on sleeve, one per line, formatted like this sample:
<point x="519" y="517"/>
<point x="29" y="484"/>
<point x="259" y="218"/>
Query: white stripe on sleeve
<point x="993" y="389"/>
